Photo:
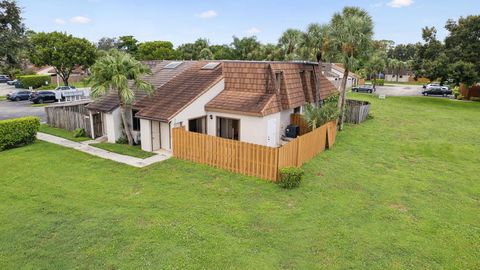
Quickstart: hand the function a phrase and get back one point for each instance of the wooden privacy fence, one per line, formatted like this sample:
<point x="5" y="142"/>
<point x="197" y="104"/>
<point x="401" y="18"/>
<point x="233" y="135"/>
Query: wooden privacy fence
<point x="297" y="119"/>
<point x="357" y="111"/>
<point x="251" y="159"/>
<point x="69" y="116"/>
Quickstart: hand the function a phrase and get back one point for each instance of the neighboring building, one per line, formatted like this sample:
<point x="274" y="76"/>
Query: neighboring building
<point x="241" y="100"/>
<point x="334" y="73"/>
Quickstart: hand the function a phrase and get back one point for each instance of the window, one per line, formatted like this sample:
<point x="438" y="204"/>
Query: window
<point x="173" y="65"/>
<point x="198" y="125"/>
<point x="135" y="121"/>
<point x="228" y="128"/>
<point x="278" y="80"/>
<point x="297" y="110"/>
<point x="211" y="65"/>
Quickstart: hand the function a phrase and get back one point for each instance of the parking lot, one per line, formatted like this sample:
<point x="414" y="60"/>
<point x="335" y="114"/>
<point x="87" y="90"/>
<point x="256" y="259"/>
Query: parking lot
<point x="9" y="109"/>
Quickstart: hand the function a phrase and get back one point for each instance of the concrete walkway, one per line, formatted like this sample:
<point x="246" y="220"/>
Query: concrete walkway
<point x="86" y="148"/>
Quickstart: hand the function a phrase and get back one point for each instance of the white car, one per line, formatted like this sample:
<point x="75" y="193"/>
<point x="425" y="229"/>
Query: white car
<point x="431" y="86"/>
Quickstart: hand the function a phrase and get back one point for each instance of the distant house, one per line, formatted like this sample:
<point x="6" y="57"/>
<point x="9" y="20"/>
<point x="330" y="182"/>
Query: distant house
<point x="334" y="73"/>
<point x="248" y="101"/>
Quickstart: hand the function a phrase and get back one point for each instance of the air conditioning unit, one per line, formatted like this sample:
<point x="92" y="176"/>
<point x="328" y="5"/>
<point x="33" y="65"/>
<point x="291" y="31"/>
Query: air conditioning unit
<point x="292" y="131"/>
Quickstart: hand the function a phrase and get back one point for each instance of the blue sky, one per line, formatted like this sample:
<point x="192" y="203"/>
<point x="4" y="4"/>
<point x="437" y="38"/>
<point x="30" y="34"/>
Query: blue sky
<point x="218" y="20"/>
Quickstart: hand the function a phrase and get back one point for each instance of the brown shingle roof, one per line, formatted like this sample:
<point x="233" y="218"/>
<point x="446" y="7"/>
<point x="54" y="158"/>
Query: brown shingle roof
<point x="159" y="77"/>
<point x="327" y="88"/>
<point x="251" y="87"/>
<point x="179" y="92"/>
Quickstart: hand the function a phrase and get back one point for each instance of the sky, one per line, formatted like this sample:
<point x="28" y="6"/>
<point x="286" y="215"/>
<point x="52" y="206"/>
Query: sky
<point x="184" y="21"/>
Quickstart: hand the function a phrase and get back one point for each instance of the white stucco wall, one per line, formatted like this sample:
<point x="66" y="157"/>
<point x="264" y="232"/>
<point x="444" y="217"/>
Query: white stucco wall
<point x="113" y="125"/>
<point x="146" y="135"/>
<point x="252" y="129"/>
<point x="393" y="78"/>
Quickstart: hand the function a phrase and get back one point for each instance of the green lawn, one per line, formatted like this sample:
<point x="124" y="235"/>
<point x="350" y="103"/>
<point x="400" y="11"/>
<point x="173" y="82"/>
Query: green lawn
<point x="124" y="149"/>
<point x="3" y="97"/>
<point x="60" y="132"/>
<point x="400" y="191"/>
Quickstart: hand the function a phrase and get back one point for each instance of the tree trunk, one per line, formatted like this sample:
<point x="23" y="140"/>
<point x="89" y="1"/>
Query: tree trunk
<point x="126" y="127"/>
<point x="341" y="99"/>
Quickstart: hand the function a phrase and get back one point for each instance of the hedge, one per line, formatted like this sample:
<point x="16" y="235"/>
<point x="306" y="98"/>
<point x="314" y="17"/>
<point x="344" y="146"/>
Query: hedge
<point x="35" y="81"/>
<point x="18" y="132"/>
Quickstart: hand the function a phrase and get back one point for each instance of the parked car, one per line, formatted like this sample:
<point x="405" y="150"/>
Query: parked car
<point x="12" y="82"/>
<point x="4" y="78"/>
<point x="437" y="90"/>
<point x="18" y="95"/>
<point x="40" y="97"/>
<point x="368" y="88"/>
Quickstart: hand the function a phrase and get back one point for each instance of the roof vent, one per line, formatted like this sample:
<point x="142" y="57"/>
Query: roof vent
<point x="173" y="65"/>
<point x="211" y="65"/>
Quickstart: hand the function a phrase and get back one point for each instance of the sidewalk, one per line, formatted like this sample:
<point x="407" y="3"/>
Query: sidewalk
<point x="86" y="148"/>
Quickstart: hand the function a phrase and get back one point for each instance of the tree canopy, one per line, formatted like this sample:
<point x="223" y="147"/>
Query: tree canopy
<point x="62" y="51"/>
<point x="12" y="36"/>
<point x="155" y="50"/>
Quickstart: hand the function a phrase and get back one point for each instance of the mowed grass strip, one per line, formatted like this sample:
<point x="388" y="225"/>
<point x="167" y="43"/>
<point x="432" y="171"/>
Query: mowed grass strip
<point x="400" y="191"/>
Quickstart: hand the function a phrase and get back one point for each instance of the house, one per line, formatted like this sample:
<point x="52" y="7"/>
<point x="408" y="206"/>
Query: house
<point x="249" y="101"/>
<point x="334" y="73"/>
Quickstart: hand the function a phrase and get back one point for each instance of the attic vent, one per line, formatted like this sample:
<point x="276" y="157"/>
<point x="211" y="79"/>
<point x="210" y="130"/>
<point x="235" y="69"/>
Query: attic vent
<point x="211" y="65"/>
<point x="173" y="65"/>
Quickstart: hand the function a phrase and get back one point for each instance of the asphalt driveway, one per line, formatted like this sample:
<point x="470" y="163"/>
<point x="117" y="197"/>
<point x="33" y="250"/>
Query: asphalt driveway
<point x="10" y="109"/>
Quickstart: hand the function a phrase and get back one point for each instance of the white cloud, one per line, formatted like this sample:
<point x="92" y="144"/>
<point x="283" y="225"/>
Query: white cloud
<point x="253" y="31"/>
<point x="80" y="20"/>
<point x="400" y="3"/>
<point x="208" y="14"/>
<point x="59" y="21"/>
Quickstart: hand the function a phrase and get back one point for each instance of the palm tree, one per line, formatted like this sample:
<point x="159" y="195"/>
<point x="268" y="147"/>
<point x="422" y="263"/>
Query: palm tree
<point x="351" y="39"/>
<point x="117" y="72"/>
<point x="316" y="41"/>
<point x="311" y="115"/>
<point x="290" y="42"/>
<point x="375" y="65"/>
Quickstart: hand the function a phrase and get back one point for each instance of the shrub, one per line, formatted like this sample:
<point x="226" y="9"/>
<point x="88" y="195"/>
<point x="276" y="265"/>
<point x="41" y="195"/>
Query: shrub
<point x="380" y="82"/>
<point x="79" y="132"/>
<point x="18" y="132"/>
<point x="475" y="99"/>
<point x="122" y="140"/>
<point x="290" y="177"/>
<point x="459" y="97"/>
<point x="34" y="81"/>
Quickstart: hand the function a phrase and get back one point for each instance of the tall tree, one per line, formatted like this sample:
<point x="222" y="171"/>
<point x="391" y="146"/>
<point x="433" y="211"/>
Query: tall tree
<point x="351" y="37"/>
<point x="155" y="50"/>
<point x="63" y="52"/>
<point x="290" y="41"/>
<point x="128" y="44"/>
<point x="316" y="41"/>
<point x="247" y="48"/>
<point x="119" y="72"/>
<point x="191" y="51"/>
<point x="375" y="65"/>
<point x="107" y="43"/>
<point x="12" y="36"/>
<point x="222" y="52"/>
<point x="463" y="40"/>
<point x="463" y="72"/>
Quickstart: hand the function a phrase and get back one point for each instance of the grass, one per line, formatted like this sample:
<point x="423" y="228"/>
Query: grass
<point x="124" y="149"/>
<point x="400" y="191"/>
<point x="40" y="105"/>
<point x="60" y="132"/>
<point x="399" y="83"/>
<point x="3" y="97"/>
<point x="81" y="84"/>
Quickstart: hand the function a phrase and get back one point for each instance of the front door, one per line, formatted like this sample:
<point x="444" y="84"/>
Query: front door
<point x="272" y="132"/>
<point x="97" y="125"/>
<point x="156" y="136"/>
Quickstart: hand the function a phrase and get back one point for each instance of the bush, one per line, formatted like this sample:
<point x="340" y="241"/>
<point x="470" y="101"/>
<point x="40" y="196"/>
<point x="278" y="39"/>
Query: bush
<point x="122" y="140"/>
<point x="79" y="132"/>
<point x="459" y="97"/>
<point x="475" y="99"/>
<point x="290" y="177"/>
<point x="380" y="82"/>
<point x="34" y="81"/>
<point x="18" y="132"/>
